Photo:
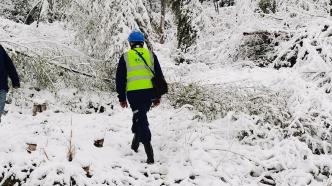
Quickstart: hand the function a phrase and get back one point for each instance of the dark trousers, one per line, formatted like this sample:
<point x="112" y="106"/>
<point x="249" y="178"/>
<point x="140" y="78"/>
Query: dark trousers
<point x="140" y="125"/>
<point x="140" y="103"/>
<point x="3" y="94"/>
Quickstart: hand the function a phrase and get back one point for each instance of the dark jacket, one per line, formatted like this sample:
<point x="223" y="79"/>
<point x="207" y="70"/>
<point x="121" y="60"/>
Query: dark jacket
<point x="7" y="68"/>
<point x="121" y="78"/>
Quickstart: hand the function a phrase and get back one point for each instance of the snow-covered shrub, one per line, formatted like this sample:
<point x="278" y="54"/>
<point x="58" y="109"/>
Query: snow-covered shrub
<point x="226" y="3"/>
<point x="221" y="3"/>
<point x="16" y="10"/>
<point x="103" y="28"/>
<point x="186" y="35"/>
<point x="308" y="119"/>
<point x="284" y="161"/>
<point x="269" y="106"/>
<point x="48" y="11"/>
<point x="268" y="6"/>
<point x="314" y="7"/>
<point x="189" y="23"/>
<point x="55" y="10"/>
<point x="38" y="171"/>
<point x="309" y="50"/>
<point x="261" y="46"/>
<point x="314" y="131"/>
<point x="36" y="70"/>
<point x="41" y="72"/>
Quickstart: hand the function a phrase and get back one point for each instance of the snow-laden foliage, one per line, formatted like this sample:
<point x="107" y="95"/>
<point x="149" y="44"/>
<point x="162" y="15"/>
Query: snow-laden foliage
<point x="260" y="47"/>
<point x="304" y="7"/>
<point x="46" y="60"/>
<point x="190" y="23"/>
<point x="310" y="52"/>
<point x="268" y="6"/>
<point x="16" y="10"/>
<point x="103" y="26"/>
<point x="217" y="102"/>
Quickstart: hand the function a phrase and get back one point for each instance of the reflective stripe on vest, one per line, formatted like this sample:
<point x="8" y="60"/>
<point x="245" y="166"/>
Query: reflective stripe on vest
<point x="138" y="74"/>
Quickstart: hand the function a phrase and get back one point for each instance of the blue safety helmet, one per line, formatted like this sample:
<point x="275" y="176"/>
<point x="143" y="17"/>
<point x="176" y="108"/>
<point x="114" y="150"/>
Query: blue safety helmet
<point x="136" y="37"/>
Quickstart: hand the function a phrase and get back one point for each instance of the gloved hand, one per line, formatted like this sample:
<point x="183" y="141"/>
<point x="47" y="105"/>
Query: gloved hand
<point x="124" y="104"/>
<point x="156" y="103"/>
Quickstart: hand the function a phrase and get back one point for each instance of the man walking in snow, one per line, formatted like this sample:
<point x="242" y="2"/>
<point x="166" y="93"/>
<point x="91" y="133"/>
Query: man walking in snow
<point x="7" y="68"/>
<point x="133" y="82"/>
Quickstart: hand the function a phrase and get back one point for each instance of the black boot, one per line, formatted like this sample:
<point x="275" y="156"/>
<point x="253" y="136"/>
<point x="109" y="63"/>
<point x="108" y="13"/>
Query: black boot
<point x="135" y="144"/>
<point x="149" y="153"/>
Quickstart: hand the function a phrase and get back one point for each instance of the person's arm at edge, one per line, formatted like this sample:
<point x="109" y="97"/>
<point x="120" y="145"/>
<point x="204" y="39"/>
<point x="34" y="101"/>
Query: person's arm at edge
<point x="157" y="67"/>
<point x="158" y="72"/>
<point x="12" y="73"/>
<point x="121" y="80"/>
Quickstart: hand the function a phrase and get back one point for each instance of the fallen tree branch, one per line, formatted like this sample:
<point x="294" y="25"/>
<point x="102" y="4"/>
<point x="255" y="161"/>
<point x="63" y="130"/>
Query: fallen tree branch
<point x="68" y="69"/>
<point x="78" y="72"/>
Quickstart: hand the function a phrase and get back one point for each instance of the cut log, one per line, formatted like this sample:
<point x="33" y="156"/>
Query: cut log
<point x="43" y="107"/>
<point x="38" y="107"/>
<point x="99" y="143"/>
<point x="34" y="109"/>
<point x="31" y="147"/>
<point x="87" y="171"/>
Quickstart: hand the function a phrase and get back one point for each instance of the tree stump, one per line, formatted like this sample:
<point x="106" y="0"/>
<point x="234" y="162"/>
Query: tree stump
<point x="31" y="147"/>
<point x="38" y="107"/>
<point x="99" y="143"/>
<point x="43" y="107"/>
<point x="87" y="171"/>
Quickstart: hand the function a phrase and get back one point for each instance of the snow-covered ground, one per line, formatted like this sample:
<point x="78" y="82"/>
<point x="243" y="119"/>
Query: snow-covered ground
<point x="187" y="152"/>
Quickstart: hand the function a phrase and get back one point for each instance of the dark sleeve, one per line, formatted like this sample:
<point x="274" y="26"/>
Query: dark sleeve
<point x="11" y="70"/>
<point x="157" y="67"/>
<point x="121" y="79"/>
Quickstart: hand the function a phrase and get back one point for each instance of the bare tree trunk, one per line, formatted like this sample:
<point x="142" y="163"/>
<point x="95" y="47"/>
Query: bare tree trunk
<point x="50" y="11"/>
<point x="30" y="17"/>
<point x="216" y="5"/>
<point x="330" y="7"/>
<point x="150" y="2"/>
<point x="39" y="13"/>
<point x="162" y="21"/>
<point x="40" y="9"/>
<point x="143" y="29"/>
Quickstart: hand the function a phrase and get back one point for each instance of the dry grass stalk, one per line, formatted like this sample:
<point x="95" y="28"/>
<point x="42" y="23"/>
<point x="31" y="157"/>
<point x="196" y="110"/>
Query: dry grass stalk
<point x="71" y="147"/>
<point x="87" y="171"/>
<point x="44" y="152"/>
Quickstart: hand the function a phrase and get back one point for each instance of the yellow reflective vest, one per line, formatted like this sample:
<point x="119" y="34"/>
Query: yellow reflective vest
<point x="138" y="74"/>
